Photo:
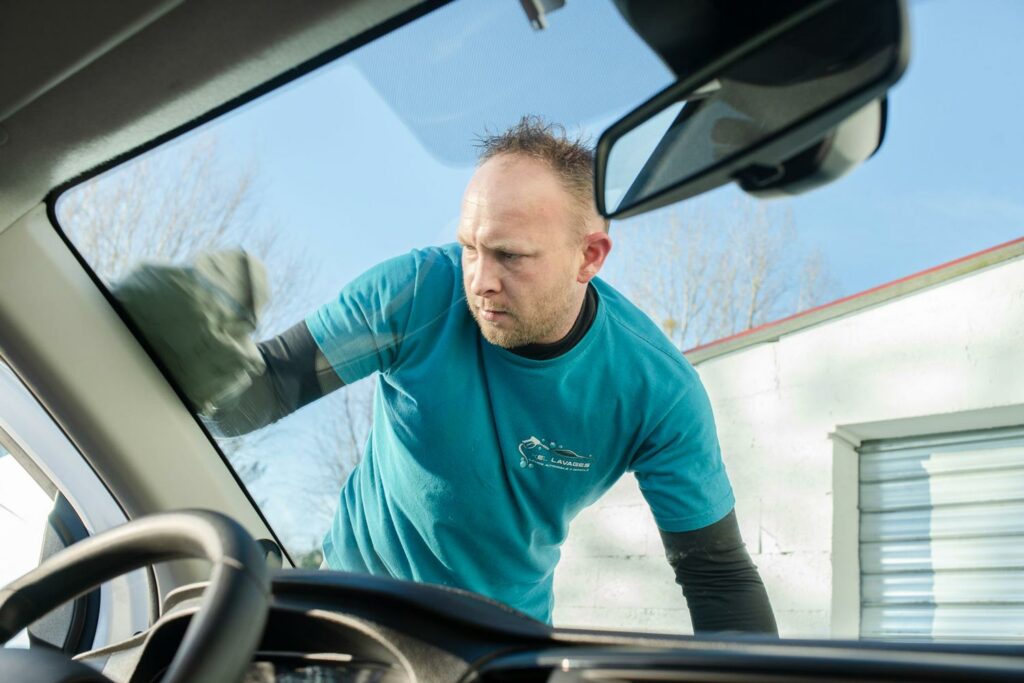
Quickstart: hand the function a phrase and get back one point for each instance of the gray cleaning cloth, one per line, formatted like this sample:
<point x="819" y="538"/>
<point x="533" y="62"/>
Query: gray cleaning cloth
<point x="200" y="319"/>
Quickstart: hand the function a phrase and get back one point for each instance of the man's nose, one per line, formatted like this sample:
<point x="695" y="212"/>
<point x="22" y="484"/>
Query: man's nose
<point x="485" y="279"/>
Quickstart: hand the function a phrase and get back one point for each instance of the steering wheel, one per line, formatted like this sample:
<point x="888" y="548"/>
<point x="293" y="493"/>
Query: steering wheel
<point x="221" y="638"/>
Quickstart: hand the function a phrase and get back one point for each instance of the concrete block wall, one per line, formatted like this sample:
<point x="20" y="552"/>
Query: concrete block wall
<point x="614" y="574"/>
<point x="944" y="358"/>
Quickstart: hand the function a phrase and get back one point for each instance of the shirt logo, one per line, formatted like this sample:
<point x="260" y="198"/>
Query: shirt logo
<point x="537" y="452"/>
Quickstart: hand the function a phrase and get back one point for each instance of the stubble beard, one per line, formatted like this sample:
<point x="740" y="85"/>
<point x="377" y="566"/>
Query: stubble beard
<point x="552" y="312"/>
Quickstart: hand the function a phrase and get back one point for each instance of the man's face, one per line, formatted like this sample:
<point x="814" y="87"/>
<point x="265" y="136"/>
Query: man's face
<point x="522" y="252"/>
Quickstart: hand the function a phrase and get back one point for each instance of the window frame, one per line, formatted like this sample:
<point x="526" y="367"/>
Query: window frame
<point x="44" y="451"/>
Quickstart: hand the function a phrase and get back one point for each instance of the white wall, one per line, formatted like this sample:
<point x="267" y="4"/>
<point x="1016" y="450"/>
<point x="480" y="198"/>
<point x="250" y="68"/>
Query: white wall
<point x="957" y="346"/>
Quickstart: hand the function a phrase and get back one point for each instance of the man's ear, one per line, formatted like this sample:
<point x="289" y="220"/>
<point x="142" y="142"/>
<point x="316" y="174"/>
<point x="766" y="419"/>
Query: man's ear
<point x="596" y="246"/>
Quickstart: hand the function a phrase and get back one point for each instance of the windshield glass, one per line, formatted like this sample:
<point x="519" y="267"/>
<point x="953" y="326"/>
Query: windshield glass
<point x="872" y="448"/>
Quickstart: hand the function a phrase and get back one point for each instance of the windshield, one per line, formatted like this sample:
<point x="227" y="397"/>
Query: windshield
<point x="872" y="450"/>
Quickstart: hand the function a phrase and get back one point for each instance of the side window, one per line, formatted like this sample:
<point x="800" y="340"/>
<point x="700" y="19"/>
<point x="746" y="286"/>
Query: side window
<point x="24" y="508"/>
<point x="37" y="521"/>
<point x="51" y="498"/>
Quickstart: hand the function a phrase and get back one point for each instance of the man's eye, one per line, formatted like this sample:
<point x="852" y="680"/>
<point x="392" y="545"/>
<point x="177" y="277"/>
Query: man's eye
<point x="507" y="257"/>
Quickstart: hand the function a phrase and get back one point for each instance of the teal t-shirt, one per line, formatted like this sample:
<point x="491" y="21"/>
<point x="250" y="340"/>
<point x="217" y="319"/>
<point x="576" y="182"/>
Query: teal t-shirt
<point x="478" y="458"/>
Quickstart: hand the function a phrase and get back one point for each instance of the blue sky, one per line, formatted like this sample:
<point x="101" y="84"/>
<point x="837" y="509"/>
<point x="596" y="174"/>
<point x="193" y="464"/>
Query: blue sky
<point x="340" y="167"/>
<point x="947" y="181"/>
<point x="342" y="172"/>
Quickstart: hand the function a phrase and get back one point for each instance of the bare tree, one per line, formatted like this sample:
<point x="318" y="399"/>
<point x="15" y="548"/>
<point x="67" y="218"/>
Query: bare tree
<point x="703" y="279"/>
<point x="674" y="273"/>
<point x="815" y="285"/>
<point x="341" y="442"/>
<point x="762" y="275"/>
<point x="169" y="207"/>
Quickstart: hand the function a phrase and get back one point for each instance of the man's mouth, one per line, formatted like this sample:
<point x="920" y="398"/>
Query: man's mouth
<point x="492" y="315"/>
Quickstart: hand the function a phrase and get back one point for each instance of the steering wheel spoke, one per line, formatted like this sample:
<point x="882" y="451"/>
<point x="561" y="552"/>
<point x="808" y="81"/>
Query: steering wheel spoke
<point x="220" y="638"/>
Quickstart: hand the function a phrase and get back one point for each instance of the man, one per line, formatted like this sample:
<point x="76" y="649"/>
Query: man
<point x="514" y="388"/>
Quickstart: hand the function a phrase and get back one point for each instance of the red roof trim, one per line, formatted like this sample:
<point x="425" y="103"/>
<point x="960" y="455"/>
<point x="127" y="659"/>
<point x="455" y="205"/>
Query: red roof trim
<point x="858" y="295"/>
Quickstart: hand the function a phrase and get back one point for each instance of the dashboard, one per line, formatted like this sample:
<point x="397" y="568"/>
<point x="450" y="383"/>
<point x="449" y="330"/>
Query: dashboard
<point x="329" y="626"/>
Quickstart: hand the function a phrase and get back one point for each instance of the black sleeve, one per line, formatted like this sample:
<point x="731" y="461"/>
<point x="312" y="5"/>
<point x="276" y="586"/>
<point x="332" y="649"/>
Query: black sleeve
<point x="296" y="373"/>
<point x="720" y="582"/>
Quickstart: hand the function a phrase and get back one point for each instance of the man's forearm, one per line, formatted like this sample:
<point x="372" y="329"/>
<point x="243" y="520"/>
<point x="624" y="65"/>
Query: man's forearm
<point x="720" y="582"/>
<point x="296" y="374"/>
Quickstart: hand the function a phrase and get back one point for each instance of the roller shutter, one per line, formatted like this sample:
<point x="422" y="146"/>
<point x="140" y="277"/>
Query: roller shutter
<point x="942" y="536"/>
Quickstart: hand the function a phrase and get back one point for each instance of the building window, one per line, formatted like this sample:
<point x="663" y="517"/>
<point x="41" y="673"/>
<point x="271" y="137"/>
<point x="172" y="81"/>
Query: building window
<point x="941" y="525"/>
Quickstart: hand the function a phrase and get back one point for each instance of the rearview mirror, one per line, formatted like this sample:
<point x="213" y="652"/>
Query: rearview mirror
<point x="748" y="111"/>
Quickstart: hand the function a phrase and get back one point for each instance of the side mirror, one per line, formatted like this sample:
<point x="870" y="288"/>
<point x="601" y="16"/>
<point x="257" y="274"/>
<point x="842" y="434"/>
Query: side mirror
<point x="749" y="114"/>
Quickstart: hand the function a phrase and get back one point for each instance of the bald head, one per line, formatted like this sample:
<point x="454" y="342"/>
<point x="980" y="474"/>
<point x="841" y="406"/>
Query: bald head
<point x="571" y="160"/>
<point x="526" y="255"/>
<point x="513" y="189"/>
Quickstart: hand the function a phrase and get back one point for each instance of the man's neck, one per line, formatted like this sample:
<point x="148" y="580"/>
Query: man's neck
<point x="585" y="318"/>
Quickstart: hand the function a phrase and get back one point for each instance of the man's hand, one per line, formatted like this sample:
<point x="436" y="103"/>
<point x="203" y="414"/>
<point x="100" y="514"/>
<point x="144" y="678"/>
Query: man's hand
<point x="199" y="320"/>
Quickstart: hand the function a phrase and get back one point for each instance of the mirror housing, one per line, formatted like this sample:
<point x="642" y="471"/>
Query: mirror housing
<point x="841" y="150"/>
<point x="795" y="106"/>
